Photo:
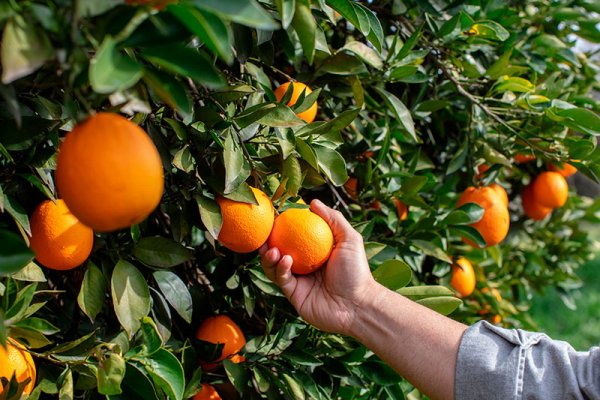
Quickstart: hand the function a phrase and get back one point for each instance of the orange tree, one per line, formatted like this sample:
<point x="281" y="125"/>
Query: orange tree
<point x="411" y="103"/>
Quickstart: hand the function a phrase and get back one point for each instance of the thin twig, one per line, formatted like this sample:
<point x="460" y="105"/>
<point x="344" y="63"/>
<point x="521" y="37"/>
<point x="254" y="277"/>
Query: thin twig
<point x="339" y="198"/>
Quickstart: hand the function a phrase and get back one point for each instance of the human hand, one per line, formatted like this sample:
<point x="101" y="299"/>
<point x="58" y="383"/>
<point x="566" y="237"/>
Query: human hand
<point x="330" y="297"/>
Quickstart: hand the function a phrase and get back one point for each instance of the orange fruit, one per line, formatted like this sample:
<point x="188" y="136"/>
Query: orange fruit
<point x="303" y="235"/>
<point x="494" y="224"/>
<point x="531" y="207"/>
<point x="208" y="392"/>
<point x="521" y="158"/>
<point x="401" y="209"/>
<point x="501" y="192"/>
<point x="463" y="277"/>
<point x="565" y="169"/>
<point x="351" y="187"/>
<point x="297" y="89"/>
<point x="14" y="359"/>
<point x="550" y="189"/>
<point x="482" y="169"/>
<point x="58" y="239"/>
<point x="221" y="329"/>
<point x="109" y="172"/>
<point x="246" y="226"/>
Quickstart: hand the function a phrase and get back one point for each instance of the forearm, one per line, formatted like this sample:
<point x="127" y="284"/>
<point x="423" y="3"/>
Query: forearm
<point x="420" y="344"/>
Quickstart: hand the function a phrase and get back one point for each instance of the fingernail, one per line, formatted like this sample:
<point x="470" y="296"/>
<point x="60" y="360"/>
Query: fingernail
<point x="274" y="253"/>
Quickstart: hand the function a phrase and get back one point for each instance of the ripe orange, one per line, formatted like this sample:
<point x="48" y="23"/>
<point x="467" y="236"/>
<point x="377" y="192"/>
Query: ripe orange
<point x="482" y="169"/>
<point x="494" y="224"/>
<point x="109" y="172"/>
<point x="565" y="169"/>
<point x="58" y="239"/>
<point x="463" y="277"/>
<point x="531" y="207"/>
<point x="208" y="392"/>
<point x="246" y="226"/>
<point x="401" y="209"/>
<point x="303" y="235"/>
<point x="15" y="360"/>
<point x="351" y="187"/>
<point x="501" y="192"/>
<point x="220" y="329"/>
<point x="297" y="89"/>
<point x="550" y="189"/>
<point x="521" y="158"/>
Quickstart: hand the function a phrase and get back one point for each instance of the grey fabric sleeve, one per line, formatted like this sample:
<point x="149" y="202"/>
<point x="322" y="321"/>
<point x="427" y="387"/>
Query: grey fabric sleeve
<point x="497" y="363"/>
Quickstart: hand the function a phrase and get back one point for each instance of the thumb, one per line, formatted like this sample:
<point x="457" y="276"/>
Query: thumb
<point x="341" y="228"/>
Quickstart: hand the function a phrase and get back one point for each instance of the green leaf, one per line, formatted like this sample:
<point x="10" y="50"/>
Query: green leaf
<point x="393" y="274"/>
<point x="18" y="309"/>
<point x="581" y="119"/>
<point x="270" y="114"/>
<point x="18" y="213"/>
<point x="166" y="372"/>
<point x="399" y="111"/>
<point x="170" y="90"/>
<point x="342" y="63"/>
<point x="210" y="214"/>
<point x="37" y="324"/>
<point x="130" y="295"/>
<point x="66" y="387"/>
<point x="186" y="62"/>
<point x="111" y="371"/>
<point x="30" y="273"/>
<point x="431" y="249"/>
<point x="286" y="10"/>
<point x="14" y="253"/>
<point x="294" y="387"/>
<point x="184" y="160"/>
<point x="236" y="374"/>
<point x="458" y="160"/>
<point x="150" y="335"/>
<point x="176" y="293"/>
<point x="423" y="292"/>
<point x="237" y="169"/>
<point x="465" y="215"/>
<point x="137" y="383"/>
<point x="365" y="53"/>
<point x="24" y="49"/>
<point x="215" y="33"/>
<point x="373" y="248"/>
<point x="293" y="172"/>
<point x="92" y="292"/>
<point x="305" y="26"/>
<point x="410" y="43"/>
<point x="245" y="12"/>
<point x="444" y="305"/>
<point x="470" y="233"/>
<point x="491" y="30"/>
<point x="513" y="84"/>
<point x="161" y="252"/>
<point x="111" y="71"/>
<point x="332" y="164"/>
<point x="340" y="122"/>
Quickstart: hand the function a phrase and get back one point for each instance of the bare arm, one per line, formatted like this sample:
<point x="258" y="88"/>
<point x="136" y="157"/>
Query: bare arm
<point x="420" y="344"/>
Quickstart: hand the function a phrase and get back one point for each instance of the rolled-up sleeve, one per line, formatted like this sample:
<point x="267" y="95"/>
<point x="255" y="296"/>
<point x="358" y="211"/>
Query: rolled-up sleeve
<point x="497" y="363"/>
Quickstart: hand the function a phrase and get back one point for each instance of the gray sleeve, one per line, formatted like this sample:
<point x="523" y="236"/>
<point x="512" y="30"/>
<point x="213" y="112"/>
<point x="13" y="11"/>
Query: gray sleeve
<point x="497" y="363"/>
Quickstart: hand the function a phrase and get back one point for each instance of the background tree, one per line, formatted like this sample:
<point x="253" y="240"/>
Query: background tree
<point x="416" y="101"/>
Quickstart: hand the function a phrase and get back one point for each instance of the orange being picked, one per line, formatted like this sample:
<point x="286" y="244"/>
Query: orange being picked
<point x="221" y="329"/>
<point x="14" y="359"/>
<point x="246" y="226"/>
<point x="550" y="189"/>
<point x="297" y="89"/>
<point x="109" y="172"/>
<point x="531" y="207"/>
<point x="58" y="239"/>
<point x="303" y="235"/>
<point x="401" y="209"/>
<point x="493" y="225"/>
<point x="564" y="169"/>
<point x="208" y="392"/>
<point x="501" y="192"/>
<point x="463" y="277"/>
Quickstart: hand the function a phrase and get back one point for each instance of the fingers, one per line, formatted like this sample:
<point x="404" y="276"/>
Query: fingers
<point x="341" y="228"/>
<point x="278" y="269"/>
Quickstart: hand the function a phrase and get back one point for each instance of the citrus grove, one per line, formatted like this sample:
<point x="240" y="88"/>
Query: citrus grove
<point x="148" y="149"/>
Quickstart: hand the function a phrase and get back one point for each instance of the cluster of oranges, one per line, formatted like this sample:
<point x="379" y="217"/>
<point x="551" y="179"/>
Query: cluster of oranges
<point x="547" y="191"/>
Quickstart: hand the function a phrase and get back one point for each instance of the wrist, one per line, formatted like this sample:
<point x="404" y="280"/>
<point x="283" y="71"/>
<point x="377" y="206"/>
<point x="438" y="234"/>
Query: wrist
<point x="374" y="296"/>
